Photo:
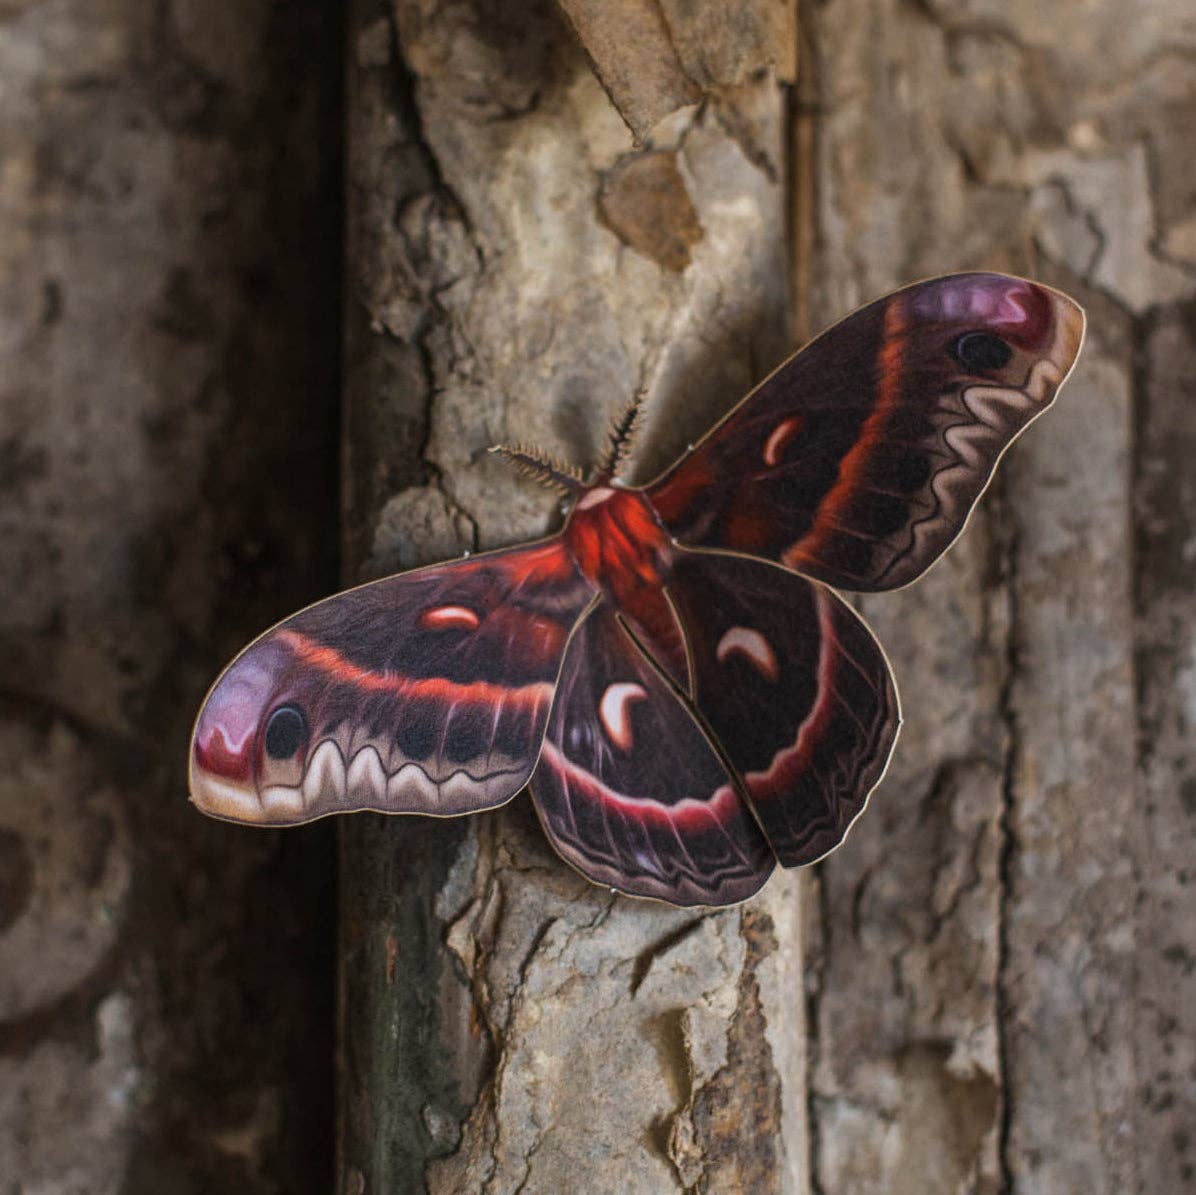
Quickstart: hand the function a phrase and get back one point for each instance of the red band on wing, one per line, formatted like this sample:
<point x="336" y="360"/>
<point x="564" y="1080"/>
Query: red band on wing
<point x="539" y="565"/>
<point x="688" y="814"/>
<point x="832" y="510"/>
<point x="793" y="760"/>
<point x="331" y="662"/>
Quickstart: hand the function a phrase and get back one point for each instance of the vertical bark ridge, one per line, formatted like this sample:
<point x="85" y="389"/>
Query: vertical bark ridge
<point x="504" y="1021"/>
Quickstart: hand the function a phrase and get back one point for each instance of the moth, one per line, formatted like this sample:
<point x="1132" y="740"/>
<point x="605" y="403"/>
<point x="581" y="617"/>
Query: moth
<point x="673" y="674"/>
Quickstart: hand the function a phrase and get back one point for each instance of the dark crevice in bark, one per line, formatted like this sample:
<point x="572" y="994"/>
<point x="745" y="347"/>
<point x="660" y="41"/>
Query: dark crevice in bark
<point x="643" y="962"/>
<point x="235" y="998"/>
<point x="1141" y="332"/>
<point x="803" y="117"/>
<point x="1007" y="543"/>
<point x="422" y="273"/>
<point x="407" y="1078"/>
<point x="814" y="979"/>
<point x="1162" y="348"/>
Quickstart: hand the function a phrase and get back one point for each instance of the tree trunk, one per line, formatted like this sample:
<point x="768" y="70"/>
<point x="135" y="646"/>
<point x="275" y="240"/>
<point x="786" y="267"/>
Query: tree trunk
<point x="1001" y="982"/>
<point x="518" y="269"/>
<point x="1005" y="995"/>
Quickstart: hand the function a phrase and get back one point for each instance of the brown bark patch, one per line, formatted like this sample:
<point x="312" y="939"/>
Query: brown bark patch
<point x="655" y="56"/>
<point x="629" y="46"/>
<point x="645" y="203"/>
<point x="729" y="1141"/>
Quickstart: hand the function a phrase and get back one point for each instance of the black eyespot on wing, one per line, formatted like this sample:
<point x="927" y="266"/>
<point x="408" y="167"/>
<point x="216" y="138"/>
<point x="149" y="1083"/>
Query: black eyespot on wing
<point x="286" y="732"/>
<point x="418" y="733"/>
<point x="981" y="352"/>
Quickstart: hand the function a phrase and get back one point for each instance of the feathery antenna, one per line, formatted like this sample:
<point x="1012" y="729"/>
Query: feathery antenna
<point x="539" y="466"/>
<point x="621" y="436"/>
<point x="568" y="479"/>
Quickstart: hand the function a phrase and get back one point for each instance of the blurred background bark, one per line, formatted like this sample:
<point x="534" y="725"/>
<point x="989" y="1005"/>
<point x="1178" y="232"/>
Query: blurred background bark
<point x="1000" y="966"/>
<point x="169" y="326"/>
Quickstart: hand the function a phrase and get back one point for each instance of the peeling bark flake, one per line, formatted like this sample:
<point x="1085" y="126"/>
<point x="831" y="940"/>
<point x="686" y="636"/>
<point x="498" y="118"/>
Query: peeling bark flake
<point x="644" y="202"/>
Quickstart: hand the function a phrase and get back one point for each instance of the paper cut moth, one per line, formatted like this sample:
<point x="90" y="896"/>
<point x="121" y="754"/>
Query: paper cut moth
<point x="672" y="674"/>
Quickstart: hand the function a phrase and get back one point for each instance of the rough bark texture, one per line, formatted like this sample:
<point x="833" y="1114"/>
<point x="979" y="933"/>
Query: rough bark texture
<point x="168" y="281"/>
<point x="1004" y="991"/>
<point x="655" y="56"/>
<point x="517" y="270"/>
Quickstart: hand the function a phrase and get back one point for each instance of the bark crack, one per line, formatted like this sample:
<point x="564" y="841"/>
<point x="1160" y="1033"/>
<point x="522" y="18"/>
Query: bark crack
<point x="424" y="227"/>
<point x="814" y="974"/>
<point x="727" y="1132"/>
<point x="644" y="960"/>
<point x="1008" y="545"/>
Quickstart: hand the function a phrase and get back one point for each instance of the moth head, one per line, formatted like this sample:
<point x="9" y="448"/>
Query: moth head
<point x="253" y="734"/>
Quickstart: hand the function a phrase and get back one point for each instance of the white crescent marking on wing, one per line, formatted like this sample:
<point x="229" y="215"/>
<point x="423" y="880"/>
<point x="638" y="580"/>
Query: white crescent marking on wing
<point x="616" y="720"/>
<point x="441" y="617"/>
<point x="781" y="435"/>
<point x="751" y="644"/>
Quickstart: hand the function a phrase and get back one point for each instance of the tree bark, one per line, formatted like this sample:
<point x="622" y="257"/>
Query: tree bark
<point x="168" y="376"/>
<point x="1005" y="990"/>
<point x="518" y="269"/>
<point x="1000" y="970"/>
